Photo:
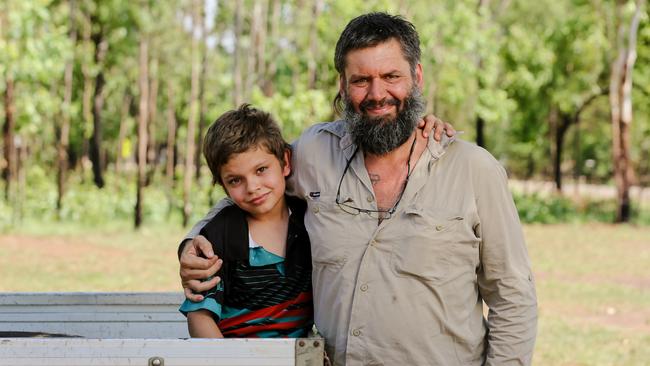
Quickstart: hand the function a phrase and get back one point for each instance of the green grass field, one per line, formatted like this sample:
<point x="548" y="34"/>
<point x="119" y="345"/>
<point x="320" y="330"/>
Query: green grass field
<point x="593" y="280"/>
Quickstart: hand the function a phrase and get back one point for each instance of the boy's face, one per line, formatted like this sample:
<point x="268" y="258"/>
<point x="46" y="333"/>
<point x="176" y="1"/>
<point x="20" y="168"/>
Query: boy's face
<point x="255" y="180"/>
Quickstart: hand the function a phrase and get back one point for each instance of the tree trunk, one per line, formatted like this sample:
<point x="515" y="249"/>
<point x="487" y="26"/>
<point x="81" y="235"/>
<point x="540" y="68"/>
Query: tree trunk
<point x="251" y="51"/>
<point x="620" y="97"/>
<point x="142" y="128"/>
<point x="9" y="151"/>
<point x="298" y="21"/>
<point x="21" y="158"/>
<point x="202" y="76"/>
<point x="64" y="131"/>
<point x="238" y="96"/>
<point x="191" y="122"/>
<point x="480" y="131"/>
<point x="260" y="44"/>
<point x="564" y="121"/>
<point x="268" y="83"/>
<point x="170" y="150"/>
<point x="152" y="147"/>
<point x="96" y="153"/>
<point x="124" y="122"/>
<point x="480" y="122"/>
<point x="9" y="173"/>
<point x="171" y="136"/>
<point x="317" y="6"/>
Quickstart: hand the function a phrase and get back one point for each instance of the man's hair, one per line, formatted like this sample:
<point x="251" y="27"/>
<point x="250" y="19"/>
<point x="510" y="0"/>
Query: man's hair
<point x="238" y="130"/>
<point x="371" y="29"/>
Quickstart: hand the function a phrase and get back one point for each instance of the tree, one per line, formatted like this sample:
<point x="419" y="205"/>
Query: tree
<point x="238" y="90"/>
<point x="193" y="111"/>
<point x="9" y="170"/>
<point x="101" y="48"/>
<point x="620" y="97"/>
<point x="142" y="126"/>
<point x="64" y="130"/>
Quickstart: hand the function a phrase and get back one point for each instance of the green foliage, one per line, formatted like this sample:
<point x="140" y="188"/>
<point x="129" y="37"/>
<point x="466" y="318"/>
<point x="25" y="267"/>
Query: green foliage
<point x="297" y="111"/>
<point x="87" y="205"/>
<point x="554" y="209"/>
<point x="545" y="210"/>
<point x="510" y="63"/>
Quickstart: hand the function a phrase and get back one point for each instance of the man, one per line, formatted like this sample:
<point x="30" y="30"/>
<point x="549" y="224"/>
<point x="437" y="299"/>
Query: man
<point x="409" y="236"/>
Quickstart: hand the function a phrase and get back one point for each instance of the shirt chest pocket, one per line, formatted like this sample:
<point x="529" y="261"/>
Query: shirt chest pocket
<point x="435" y="246"/>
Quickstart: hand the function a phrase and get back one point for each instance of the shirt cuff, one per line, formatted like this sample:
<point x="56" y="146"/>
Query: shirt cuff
<point x="208" y="303"/>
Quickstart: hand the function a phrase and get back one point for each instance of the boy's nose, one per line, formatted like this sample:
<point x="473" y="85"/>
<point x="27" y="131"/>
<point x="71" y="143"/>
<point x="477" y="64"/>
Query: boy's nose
<point x="253" y="185"/>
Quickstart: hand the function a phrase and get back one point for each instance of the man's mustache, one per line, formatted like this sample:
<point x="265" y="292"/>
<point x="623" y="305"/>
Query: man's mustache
<point x="378" y="104"/>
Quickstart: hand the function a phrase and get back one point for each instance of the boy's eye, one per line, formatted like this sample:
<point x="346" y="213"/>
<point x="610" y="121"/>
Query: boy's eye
<point x="233" y="181"/>
<point x="261" y="169"/>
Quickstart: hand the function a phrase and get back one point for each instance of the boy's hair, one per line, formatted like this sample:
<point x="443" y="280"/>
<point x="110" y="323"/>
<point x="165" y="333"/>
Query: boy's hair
<point x="238" y="130"/>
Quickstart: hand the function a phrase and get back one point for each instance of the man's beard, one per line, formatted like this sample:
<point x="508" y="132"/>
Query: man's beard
<point x="382" y="135"/>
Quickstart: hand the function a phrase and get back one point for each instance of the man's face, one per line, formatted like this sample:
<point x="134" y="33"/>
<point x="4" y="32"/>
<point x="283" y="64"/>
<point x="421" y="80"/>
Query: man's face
<point x="378" y="78"/>
<point x="382" y="97"/>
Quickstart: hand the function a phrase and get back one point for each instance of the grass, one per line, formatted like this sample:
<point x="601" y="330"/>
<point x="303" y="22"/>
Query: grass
<point x="593" y="280"/>
<point x="593" y="286"/>
<point x="113" y="258"/>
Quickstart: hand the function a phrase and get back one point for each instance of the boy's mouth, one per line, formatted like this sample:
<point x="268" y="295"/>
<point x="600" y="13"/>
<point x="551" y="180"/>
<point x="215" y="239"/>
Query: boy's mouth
<point x="259" y="199"/>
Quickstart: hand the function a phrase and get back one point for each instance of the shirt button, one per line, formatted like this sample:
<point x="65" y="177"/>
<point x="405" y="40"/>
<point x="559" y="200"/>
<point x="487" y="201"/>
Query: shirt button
<point x="356" y="332"/>
<point x="364" y="287"/>
<point x="373" y="242"/>
<point x="370" y="199"/>
<point x="316" y="209"/>
<point x="439" y="227"/>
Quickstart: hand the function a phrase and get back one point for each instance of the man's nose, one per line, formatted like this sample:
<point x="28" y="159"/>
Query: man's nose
<point x="376" y="91"/>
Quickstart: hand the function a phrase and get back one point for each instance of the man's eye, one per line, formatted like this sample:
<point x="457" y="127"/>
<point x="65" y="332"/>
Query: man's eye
<point x="359" y="81"/>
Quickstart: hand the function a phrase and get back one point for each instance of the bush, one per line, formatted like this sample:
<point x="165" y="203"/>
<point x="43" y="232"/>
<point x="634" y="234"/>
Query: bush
<point x="551" y="209"/>
<point x="86" y="205"/>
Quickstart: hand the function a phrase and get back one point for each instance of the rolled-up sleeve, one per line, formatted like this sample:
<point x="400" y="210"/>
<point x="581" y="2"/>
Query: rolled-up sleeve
<point x="505" y="278"/>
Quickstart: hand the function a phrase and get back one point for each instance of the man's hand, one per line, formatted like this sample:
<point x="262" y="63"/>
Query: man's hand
<point x="198" y="262"/>
<point x="431" y="122"/>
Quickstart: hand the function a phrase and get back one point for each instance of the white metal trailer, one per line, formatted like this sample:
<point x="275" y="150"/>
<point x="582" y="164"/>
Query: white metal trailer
<point x="126" y="329"/>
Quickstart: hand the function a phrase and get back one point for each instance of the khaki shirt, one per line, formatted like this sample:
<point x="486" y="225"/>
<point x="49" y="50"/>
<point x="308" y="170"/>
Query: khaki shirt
<point x="410" y="290"/>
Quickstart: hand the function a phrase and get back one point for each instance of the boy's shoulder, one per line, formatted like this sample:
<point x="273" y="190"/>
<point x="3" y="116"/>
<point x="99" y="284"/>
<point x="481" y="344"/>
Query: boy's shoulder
<point x="227" y="231"/>
<point x="296" y="205"/>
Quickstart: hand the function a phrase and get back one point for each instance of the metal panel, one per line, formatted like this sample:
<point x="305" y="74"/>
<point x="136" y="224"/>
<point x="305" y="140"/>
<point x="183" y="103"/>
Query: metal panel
<point x="118" y="320"/>
<point x="169" y="352"/>
<point x="94" y="315"/>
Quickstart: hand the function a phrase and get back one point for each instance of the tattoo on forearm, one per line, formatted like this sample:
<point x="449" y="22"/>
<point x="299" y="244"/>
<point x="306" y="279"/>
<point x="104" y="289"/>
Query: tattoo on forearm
<point x="374" y="178"/>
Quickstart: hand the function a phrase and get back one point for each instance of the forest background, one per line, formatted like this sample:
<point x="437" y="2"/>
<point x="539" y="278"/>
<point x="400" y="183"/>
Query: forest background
<point x="104" y="104"/>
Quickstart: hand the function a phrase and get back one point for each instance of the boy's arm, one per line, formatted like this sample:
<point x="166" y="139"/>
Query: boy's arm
<point x="201" y="324"/>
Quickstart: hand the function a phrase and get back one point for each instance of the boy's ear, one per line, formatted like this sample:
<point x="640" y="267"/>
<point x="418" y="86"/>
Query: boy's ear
<point x="286" y="169"/>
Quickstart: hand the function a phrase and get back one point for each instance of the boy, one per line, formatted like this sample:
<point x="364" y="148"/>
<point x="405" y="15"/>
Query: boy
<point x="265" y="288"/>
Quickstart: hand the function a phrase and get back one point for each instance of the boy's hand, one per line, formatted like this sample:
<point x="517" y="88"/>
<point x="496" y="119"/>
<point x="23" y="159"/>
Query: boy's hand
<point x="431" y="122"/>
<point x="198" y="262"/>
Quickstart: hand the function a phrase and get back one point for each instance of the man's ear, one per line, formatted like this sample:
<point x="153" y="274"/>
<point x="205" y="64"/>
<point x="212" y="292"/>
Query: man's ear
<point x="342" y="85"/>
<point x="286" y="169"/>
<point x="419" y="79"/>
